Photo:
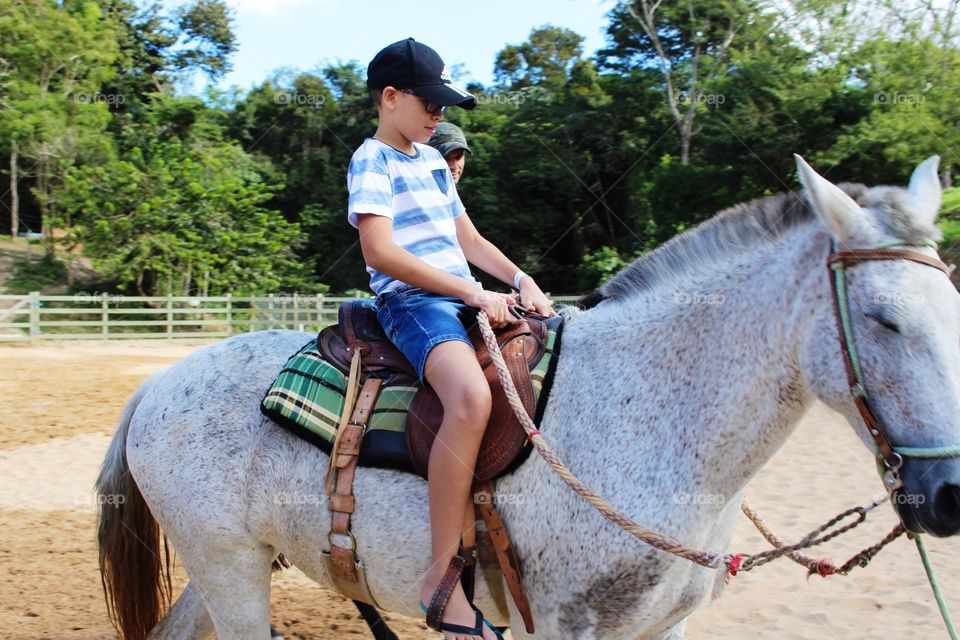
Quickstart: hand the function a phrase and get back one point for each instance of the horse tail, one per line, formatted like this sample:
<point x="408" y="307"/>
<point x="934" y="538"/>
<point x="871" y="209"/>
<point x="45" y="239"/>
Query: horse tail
<point x="136" y="581"/>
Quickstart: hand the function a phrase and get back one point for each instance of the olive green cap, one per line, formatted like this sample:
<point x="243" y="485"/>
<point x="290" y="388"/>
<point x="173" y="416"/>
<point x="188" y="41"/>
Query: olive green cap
<point x="448" y="137"/>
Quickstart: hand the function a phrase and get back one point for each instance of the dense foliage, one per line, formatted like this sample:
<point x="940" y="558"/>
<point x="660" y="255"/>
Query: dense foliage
<point x="580" y="162"/>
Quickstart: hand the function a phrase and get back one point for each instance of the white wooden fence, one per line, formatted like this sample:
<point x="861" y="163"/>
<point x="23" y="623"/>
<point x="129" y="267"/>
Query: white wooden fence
<point x="82" y="316"/>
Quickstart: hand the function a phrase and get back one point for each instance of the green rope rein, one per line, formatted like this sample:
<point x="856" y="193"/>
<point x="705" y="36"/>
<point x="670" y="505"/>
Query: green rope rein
<point x="935" y="585"/>
<point x="929" y="452"/>
<point x="913" y="452"/>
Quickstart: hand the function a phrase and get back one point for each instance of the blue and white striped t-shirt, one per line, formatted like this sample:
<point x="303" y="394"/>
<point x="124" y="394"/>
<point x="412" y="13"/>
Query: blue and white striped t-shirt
<point x="418" y="193"/>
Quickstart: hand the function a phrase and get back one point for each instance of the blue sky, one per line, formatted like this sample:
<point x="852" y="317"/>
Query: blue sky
<point x="306" y="34"/>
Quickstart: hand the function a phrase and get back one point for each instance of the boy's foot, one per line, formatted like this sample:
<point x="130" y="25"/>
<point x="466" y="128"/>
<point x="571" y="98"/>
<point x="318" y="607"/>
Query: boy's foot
<point x="457" y="611"/>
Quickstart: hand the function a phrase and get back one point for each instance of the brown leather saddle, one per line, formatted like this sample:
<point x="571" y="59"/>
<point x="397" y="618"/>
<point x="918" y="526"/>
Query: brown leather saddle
<point x="522" y="345"/>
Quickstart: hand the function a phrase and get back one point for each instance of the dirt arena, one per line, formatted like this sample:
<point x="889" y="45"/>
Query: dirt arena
<point x="60" y="403"/>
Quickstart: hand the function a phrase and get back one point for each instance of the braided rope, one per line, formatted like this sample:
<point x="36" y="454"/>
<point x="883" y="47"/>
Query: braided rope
<point x="812" y="564"/>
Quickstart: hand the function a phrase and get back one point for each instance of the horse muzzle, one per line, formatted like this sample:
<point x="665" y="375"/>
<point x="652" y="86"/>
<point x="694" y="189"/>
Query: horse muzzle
<point x="929" y="501"/>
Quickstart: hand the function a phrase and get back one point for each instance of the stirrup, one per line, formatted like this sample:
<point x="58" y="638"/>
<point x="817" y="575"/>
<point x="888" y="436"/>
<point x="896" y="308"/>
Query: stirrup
<point x="438" y="603"/>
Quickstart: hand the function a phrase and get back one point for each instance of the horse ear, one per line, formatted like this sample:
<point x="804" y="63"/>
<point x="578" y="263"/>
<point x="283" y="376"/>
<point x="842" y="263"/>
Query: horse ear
<point x="926" y="190"/>
<point x="835" y="208"/>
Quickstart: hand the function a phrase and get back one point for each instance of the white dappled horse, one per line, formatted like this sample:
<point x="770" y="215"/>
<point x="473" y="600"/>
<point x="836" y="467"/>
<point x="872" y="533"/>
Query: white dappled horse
<point x="683" y="382"/>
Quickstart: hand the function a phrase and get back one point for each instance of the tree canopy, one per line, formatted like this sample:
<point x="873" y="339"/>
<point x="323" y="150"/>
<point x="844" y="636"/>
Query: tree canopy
<point x="579" y="161"/>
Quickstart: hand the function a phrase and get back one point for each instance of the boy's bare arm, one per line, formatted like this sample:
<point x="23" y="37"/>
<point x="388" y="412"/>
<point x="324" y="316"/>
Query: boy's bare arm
<point x="481" y="252"/>
<point x="484" y="254"/>
<point x="386" y="256"/>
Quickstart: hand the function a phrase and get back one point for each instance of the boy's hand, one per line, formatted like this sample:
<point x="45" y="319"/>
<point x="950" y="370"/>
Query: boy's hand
<point x="532" y="299"/>
<point x="497" y="306"/>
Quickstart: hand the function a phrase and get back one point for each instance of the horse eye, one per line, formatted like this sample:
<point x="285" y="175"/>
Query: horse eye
<point x="882" y="321"/>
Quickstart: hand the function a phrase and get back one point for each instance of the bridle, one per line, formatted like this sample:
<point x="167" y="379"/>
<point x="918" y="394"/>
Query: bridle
<point x="890" y="457"/>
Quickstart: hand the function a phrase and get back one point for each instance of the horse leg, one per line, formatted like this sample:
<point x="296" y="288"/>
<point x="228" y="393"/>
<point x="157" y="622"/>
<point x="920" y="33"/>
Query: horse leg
<point x="233" y="585"/>
<point x="187" y="619"/>
<point x="676" y="632"/>
<point x="378" y="626"/>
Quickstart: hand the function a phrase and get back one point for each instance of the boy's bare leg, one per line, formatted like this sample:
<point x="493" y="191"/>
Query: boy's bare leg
<point x="453" y="372"/>
<point x="469" y="533"/>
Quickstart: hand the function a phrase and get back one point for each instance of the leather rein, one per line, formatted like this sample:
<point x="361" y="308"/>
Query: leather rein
<point x="888" y="454"/>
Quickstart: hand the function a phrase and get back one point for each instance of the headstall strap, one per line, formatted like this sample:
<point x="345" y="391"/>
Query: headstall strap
<point x="891" y="459"/>
<point x="862" y="255"/>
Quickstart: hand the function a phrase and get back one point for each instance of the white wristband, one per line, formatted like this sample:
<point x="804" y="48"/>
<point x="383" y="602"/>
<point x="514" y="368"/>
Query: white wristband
<point x="516" y="279"/>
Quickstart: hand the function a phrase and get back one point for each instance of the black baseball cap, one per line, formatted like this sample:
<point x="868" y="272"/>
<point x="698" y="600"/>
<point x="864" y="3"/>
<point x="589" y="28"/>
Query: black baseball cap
<point x="412" y="65"/>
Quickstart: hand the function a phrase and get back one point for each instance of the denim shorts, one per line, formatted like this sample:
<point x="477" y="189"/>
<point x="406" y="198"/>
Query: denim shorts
<point x="417" y="320"/>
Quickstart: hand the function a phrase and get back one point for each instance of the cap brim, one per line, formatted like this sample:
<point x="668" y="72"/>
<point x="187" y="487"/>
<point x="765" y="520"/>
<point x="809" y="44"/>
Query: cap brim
<point x="444" y="149"/>
<point x="446" y="95"/>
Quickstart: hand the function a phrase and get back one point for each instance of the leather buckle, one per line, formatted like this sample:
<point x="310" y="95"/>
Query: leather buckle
<point x="342" y="537"/>
<point x="362" y="425"/>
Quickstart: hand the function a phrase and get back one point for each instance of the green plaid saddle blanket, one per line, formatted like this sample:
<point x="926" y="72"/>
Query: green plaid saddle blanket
<point x="308" y="395"/>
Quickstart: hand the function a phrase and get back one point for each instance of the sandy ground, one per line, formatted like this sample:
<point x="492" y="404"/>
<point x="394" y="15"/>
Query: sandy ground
<point x="59" y="403"/>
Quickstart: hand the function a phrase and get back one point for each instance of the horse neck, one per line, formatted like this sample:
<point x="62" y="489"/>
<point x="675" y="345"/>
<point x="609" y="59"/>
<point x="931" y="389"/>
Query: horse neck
<point x="692" y="397"/>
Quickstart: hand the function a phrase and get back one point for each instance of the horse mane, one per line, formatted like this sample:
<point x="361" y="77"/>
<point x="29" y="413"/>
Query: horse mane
<point x="759" y="222"/>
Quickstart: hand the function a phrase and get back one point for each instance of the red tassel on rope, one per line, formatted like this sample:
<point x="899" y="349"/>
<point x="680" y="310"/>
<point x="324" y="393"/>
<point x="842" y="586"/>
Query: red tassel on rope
<point x="734" y="564"/>
<point x="824" y="568"/>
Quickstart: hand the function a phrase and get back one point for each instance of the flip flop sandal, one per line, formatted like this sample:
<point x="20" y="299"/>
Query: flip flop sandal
<point x="476" y="630"/>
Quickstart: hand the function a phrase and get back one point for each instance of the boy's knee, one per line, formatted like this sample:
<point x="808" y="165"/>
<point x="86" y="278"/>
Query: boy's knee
<point x="472" y="405"/>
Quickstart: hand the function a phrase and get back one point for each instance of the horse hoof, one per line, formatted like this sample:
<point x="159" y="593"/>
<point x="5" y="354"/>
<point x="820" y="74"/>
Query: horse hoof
<point x="274" y="634"/>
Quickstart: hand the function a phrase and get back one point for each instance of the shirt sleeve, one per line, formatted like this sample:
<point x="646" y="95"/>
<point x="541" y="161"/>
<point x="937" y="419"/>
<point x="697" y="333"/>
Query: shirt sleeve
<point x="370" y="187"/>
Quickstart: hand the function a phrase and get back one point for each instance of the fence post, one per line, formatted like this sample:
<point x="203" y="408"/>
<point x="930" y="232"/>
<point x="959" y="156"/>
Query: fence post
<point x="169" y="316"/>
<point x="270" y="310"/>
<point x="104" y="316"/>
<point x="34" y="316"/>
<point x="296" y="324"/>
<point x="229" y="313"/>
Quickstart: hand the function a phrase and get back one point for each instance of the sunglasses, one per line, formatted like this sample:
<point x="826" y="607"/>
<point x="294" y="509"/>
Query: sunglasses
<point x="432" y="107"/>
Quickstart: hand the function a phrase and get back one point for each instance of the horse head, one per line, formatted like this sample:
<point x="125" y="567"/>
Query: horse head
<point x="903" y="334"/>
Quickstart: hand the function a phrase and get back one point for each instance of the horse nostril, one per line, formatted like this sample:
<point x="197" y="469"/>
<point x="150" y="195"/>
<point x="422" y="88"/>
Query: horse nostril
<point x="948" y="499"/>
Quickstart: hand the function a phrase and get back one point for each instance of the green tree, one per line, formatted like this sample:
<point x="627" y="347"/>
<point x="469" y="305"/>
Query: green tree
<point x="690" y="43"/>
<point x="306" y="126"/>
<point x="545" y="60"/>
<point x="907" y="89"/>
<point x="179" y="220"/>
<point x="57" y="56"/>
